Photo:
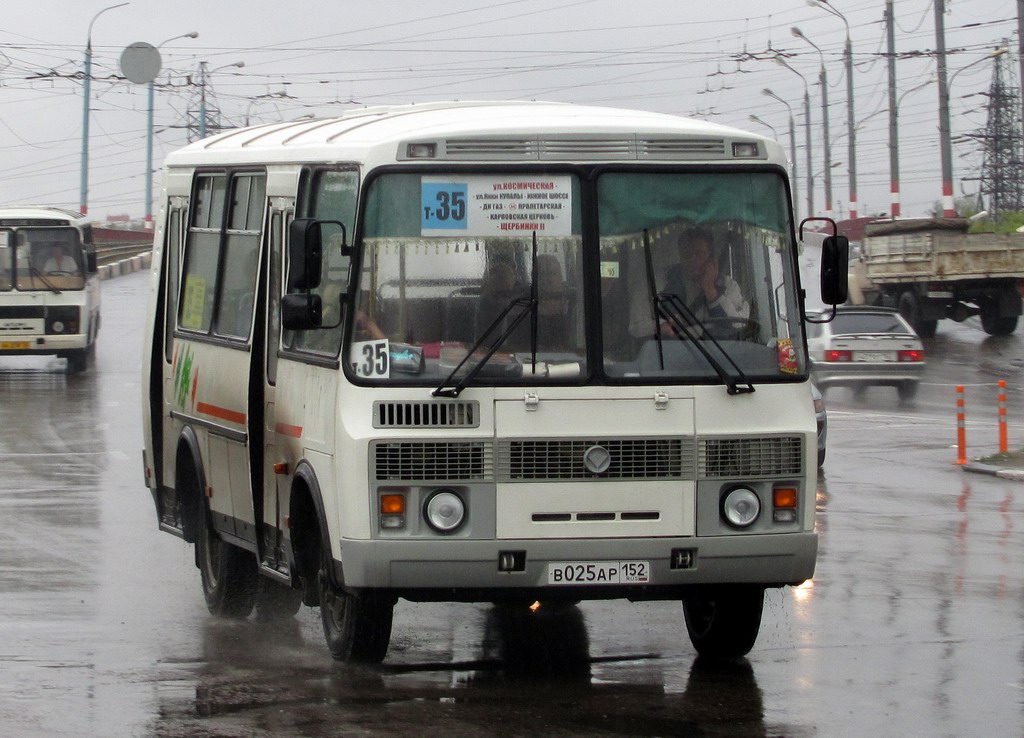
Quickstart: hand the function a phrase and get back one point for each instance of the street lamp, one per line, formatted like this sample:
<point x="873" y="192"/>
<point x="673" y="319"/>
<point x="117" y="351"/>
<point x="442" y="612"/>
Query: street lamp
<point x="83" y="199"/>
<point x="850" y="127"/>
<point x="792" y="143"/>
<point x="203" y="77"/>
<point x="149" y="136"/>
<point x="946" y="146"/>
<point x="766" y="124"/>
<point x="823" y="80"/>
<point x="807" y="126"/>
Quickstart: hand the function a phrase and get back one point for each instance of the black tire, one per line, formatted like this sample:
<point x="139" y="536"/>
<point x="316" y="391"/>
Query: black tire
<point x="723" y="621"/>
<point x="228" y="573"/>
<point x="276" y="601"/>
<point x="821" y="456"/>
<point x="927" y="328"/>
<point x="993" y="324"/>
<point x="910" y="308"/>
<point x="357" y="628"/>
<point x="78" y="361"/>
<point x="907" y="390"/>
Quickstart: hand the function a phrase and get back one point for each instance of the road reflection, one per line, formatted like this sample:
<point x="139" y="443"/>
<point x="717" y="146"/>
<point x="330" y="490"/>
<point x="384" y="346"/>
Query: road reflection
<point x="534" y="675"/>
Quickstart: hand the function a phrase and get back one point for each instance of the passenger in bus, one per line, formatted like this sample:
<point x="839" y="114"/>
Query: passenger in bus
<point x="699" y="283"/>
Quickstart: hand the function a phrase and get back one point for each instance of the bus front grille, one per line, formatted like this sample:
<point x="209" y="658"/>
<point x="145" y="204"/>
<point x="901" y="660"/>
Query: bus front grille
<point x="422" y="461"/>
<point x="567" y="459"/>
<point x="772" y="456"/>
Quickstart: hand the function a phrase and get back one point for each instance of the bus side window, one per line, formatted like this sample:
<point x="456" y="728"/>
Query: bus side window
<point x="199" y="276"/>
<point x="241" y="257"/>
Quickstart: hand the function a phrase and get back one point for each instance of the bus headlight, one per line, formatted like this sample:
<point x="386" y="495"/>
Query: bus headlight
<point x="444" y="511"/>
<point x="740" y="507"/>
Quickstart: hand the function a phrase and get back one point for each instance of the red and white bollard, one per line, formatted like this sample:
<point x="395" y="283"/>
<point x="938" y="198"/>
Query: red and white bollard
<point x="1004" y="445"/>
<point x="961" y="429"/>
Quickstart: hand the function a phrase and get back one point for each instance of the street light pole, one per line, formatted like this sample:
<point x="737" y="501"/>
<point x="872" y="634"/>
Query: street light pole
<point x="851" y="129"/>
<point x="83" y="194"/>
<point x="766" y="124"/>
<point x="793" y="145"/>
<point x="807" y="128"/>
<point x="823" y="81"/>
<point x="149" y="136"/>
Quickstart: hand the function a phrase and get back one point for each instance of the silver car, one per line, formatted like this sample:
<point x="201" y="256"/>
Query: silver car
<point x="821" y="418"/>
<point x="865" y="346"/>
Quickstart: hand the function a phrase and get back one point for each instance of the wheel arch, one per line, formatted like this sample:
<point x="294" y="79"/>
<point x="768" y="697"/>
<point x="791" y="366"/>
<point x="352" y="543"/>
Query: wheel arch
<point x="188" y="460"/>
<point x="307" y="521"/>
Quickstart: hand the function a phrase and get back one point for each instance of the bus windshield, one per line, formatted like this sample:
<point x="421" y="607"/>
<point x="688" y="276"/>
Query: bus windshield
<point x="46" y="258"/>
<point x="486" y="271"/>
<point x="697" y="268"/>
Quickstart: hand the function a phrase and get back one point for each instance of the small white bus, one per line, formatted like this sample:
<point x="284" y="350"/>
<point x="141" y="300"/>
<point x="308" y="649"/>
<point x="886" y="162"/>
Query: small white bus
<point x="464" y="352"/>
<point x="49" y="285"/>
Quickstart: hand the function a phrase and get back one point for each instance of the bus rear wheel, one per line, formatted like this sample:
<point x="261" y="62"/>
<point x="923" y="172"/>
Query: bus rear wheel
<point x="723" y="621"/>
<point x="228" y="574"/>
<point x="357" y="627"/>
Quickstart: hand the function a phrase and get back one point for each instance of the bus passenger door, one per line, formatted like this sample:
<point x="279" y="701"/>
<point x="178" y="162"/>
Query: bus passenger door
<point x="267" y="498"/>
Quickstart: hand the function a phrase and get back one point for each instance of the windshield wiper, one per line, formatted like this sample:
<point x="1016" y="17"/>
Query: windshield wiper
<point x="669" y="307"/>
<point x="523" y="306"/>
<point x="39" y="275"/>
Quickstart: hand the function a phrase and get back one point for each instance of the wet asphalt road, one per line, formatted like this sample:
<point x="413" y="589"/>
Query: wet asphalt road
<point x="912" y="626"/>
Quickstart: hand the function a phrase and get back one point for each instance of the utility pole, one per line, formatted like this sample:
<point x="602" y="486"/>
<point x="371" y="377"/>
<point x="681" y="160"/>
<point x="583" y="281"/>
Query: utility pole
<point x="945" y="142"/>
<point x="894" y="133"/>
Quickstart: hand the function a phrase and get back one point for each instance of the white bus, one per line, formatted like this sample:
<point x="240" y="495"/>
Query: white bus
<point x="444" y="352"/>
<point x="49" y="285"/>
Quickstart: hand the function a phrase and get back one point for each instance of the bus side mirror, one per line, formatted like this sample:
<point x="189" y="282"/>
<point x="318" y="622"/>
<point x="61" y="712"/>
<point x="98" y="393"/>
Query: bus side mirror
<point x="301" y="311"/>
<point x="87" y="235"/>
<point x="835" y="266"/>
<point x="305" y="254"/>
<point x="91" y="265"/>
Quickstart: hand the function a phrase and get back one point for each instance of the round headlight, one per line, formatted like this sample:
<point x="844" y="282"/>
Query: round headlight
<point x="58" y="326"/>
<point x="741" y="507"/>
<point x="444" y="511"/>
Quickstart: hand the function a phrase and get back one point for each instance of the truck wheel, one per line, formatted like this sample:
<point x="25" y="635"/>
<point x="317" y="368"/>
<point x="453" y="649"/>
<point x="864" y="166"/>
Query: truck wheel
<point x="909" y="307"/>
<point x="723" y="621"/>
<point x="228" y="573"/>
<point x="993" y="324"/>
<point x="78" y="361"/>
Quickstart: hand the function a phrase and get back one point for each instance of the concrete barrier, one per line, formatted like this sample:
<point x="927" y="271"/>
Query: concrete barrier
<point x="126" y="266"/>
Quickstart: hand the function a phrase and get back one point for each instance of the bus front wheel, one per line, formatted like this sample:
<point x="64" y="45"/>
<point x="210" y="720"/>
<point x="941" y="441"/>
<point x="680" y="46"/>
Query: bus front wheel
<point x="357" y="627"/>
<point x="723" y="621"/>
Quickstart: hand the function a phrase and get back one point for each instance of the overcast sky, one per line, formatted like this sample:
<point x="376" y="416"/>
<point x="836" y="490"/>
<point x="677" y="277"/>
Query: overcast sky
<point x="705" y="59"/>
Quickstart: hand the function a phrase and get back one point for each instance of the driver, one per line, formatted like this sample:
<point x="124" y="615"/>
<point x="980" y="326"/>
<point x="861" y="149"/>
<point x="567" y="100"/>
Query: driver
<point x="699" y="284"/>
<point x="59" y="262"/>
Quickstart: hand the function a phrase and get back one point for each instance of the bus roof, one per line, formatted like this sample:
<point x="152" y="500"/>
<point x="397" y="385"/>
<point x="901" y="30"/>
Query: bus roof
<point x="480" y="131"/>
<point x="41" y="212"/>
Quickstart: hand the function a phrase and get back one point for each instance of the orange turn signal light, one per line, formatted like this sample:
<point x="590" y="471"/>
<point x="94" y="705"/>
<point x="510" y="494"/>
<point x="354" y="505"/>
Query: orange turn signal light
<point x="392" y="504"/>
<point x="784" y="497"/>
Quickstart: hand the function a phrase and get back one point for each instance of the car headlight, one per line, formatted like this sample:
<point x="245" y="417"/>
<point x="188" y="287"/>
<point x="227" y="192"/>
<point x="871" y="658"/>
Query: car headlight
<point x="741" y="507"/>
<point x="444" y="511"/>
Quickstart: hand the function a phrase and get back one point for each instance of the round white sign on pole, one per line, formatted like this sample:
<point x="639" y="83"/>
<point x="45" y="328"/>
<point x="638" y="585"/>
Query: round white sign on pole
<point x="140" y="62"/>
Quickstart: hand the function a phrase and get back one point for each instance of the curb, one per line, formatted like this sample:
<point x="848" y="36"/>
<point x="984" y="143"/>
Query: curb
<point x="1016" y="475"/>
<point x="126" y="266"/>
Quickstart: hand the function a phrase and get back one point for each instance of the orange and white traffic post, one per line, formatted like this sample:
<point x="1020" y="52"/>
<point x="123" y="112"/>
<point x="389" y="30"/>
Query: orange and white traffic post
<point x="1004" y="445"/>
<point x="961" y="430"/>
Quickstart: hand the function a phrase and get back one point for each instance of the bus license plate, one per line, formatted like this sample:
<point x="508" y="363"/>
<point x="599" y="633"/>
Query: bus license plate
<point x="599" y="572"/>
<point x="14" y="345"/>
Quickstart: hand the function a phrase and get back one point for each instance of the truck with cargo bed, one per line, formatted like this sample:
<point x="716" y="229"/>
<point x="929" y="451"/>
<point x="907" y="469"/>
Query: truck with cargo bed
<point x="932" y="268"/>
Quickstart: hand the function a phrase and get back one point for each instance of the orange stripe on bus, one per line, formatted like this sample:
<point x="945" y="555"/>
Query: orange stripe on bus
<point x="293" y="431"/>
<point x="223" y="413"/>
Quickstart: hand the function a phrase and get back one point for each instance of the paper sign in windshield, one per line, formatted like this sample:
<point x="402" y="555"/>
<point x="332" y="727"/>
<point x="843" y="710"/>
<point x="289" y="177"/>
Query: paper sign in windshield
<point x="487" y="205"/>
